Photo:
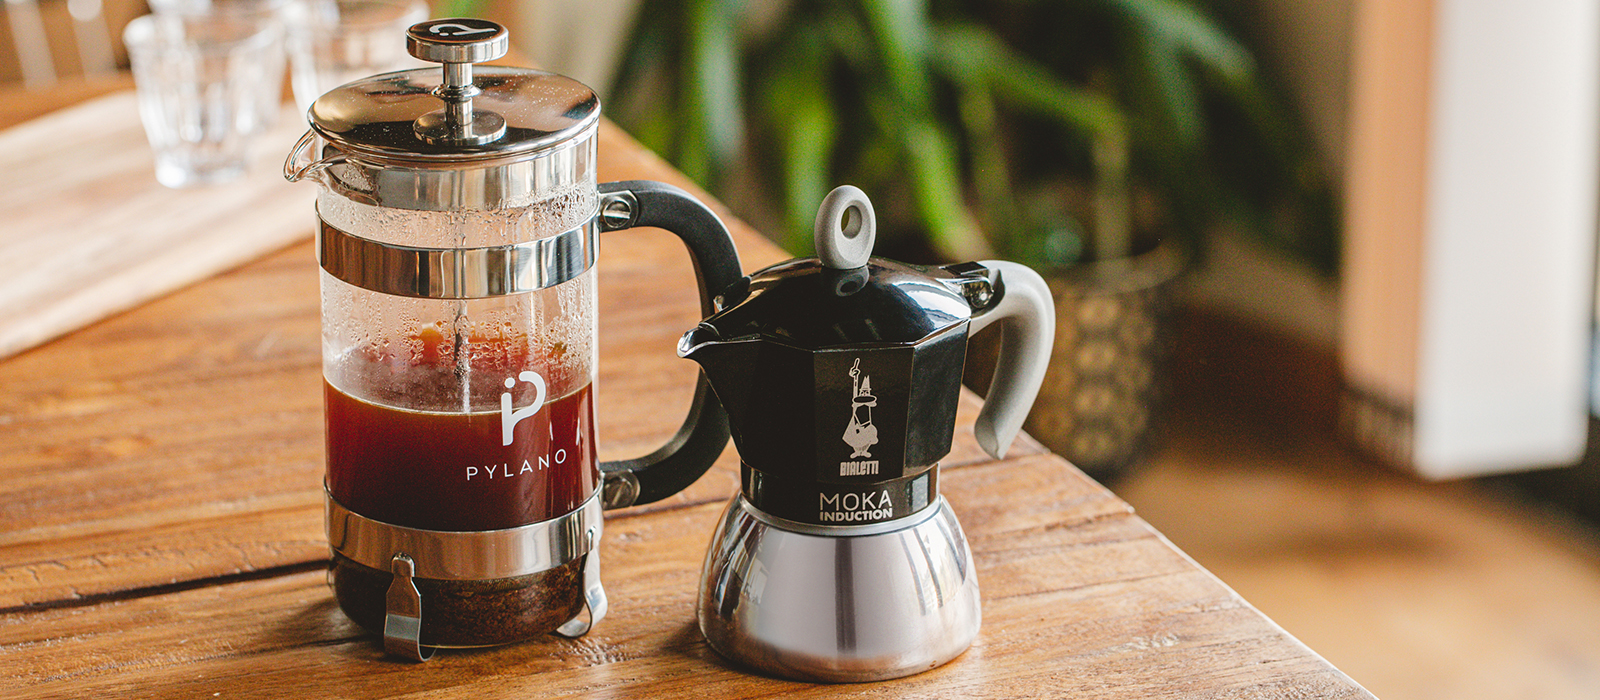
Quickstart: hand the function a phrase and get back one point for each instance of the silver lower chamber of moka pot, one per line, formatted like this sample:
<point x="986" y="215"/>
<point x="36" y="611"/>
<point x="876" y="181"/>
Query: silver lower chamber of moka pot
<point x="839" y="603"/>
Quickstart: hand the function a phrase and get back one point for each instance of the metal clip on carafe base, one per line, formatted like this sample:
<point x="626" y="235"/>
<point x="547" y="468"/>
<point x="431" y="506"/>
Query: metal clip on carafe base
<point x="402" y="626"/>
<point x="594" y="600"/>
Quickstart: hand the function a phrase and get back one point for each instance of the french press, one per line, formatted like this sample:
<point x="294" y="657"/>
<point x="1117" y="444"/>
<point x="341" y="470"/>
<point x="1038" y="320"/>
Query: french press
<point x="839" y="560"/>
<point x="458" y="238"/>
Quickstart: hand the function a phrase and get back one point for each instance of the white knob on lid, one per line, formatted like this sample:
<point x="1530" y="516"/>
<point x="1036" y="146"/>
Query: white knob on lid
<point x="846" y="228"/>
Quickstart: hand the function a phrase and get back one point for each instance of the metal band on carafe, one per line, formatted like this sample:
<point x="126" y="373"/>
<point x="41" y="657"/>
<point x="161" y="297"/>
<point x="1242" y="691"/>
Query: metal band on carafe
<point x="457" y="273"/>
<point x="466" y="556"/>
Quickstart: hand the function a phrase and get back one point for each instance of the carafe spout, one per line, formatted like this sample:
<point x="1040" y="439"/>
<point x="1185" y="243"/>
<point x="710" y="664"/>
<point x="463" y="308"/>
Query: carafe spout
<point x="303" y="163"/>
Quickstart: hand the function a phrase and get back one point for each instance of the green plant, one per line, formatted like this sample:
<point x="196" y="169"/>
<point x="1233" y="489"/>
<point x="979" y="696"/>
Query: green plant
<point x="1066" y="129"/>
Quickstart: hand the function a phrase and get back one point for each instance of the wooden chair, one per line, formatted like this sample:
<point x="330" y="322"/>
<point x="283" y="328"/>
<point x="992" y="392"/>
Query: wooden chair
<point x="52" y="39"/>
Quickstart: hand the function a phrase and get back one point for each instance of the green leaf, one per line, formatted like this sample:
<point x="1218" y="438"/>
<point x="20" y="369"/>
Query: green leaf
<point x="1113" y="221"/>
<point x="714" y="87"/>
<point x="975" y="55"/>
<point x="990" y="173"/>
<point x="1175" y="90"/>
<point x="637" y="100"/>
<point x="1186" y="30"/>
<point x="1168" y="35"/>
<point x="978" y="58"/>
<point x="799" y="104"/>
<point x="849" y="37"/>
<point x="712" y="124"/>
<point x="459" y="8"/>
<point x="936" y="184"/>
<point x="901" y="29"/>
<point x="807" y="146"/>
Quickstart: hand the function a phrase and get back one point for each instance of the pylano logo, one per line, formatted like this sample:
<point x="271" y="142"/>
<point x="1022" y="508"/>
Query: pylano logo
<point x="509" y="417"/>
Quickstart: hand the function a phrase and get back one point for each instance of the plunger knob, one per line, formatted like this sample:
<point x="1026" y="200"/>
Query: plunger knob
<point x="458" y="43"/>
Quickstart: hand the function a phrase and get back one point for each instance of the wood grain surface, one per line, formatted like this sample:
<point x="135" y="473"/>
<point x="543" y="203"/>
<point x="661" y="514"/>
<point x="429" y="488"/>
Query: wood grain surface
<point x="89" y="232"/>
<point x="161" y="527"/>
<point x="1097" y="605"/>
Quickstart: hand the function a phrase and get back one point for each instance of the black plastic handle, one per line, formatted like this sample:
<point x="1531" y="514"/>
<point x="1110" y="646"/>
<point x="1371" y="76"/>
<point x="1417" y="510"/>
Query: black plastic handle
<point x="704" y="433"/>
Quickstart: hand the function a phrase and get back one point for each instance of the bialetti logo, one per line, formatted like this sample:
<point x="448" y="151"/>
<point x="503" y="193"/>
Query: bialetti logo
<point x="860" y="434"/>
<point x="510" y="417"/>
<point x="871" y="506"/>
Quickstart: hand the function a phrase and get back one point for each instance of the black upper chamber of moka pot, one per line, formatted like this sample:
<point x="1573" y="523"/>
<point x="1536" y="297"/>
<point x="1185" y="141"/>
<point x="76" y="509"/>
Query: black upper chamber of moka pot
<point x="841" y="373"/>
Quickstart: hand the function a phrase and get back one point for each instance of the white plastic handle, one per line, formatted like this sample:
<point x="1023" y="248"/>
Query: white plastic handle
<point x="1029" y="314"/>
<point x="845" y="229"/>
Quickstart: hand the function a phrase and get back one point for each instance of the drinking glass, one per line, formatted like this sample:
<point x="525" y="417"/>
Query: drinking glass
<point x="207" y="84"/>
<point x="338" y="41"/>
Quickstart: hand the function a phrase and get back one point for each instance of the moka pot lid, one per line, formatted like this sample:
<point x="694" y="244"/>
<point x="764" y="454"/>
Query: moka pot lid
<point x="845" y="297"/>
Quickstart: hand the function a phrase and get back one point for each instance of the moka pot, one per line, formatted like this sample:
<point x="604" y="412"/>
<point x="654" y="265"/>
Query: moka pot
<point x="839" y="560"/>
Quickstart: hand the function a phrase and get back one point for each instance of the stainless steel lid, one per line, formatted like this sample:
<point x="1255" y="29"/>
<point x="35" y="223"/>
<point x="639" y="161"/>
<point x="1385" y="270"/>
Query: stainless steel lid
<point x="463" y="113"/>
<point x="462" y="138"/>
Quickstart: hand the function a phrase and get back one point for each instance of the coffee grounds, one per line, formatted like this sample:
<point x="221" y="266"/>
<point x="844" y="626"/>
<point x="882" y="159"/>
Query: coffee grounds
<point x="467" y="613"/>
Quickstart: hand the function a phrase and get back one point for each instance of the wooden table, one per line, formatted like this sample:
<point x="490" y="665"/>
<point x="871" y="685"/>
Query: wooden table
<point x="161" y="528"/>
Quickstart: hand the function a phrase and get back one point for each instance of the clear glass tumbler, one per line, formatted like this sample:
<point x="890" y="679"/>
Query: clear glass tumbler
<point x="334" y="42"/>
<point x="208" y="85"/>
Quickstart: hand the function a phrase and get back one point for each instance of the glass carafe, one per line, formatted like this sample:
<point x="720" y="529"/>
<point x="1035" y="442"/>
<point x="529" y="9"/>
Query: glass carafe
<point x="459" y="217"/>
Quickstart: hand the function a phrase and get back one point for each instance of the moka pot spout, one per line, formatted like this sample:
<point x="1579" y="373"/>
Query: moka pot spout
<point x="696" y="340"/>
<point x="729" y="366"/>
